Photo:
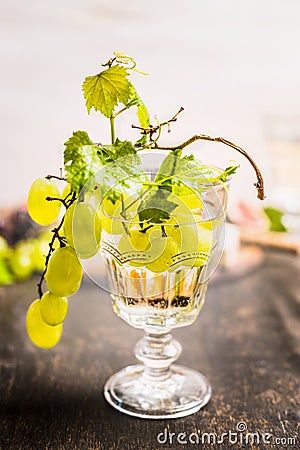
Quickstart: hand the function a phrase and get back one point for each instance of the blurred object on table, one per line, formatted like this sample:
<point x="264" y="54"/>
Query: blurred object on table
<point x="270" y="239"/>
<point x="275" y="217"/>
<point x="283" y="147"/>
<point x="256" y="228"/>
<point x="16" y="225"/>
<point x="23" y="246"/>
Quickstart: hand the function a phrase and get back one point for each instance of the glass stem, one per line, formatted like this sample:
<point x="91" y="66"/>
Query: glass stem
<point x="157" y="352"/>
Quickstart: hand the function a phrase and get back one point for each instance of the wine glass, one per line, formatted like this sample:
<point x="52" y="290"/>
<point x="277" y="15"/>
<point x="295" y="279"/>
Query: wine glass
<point x="156" y="286"/>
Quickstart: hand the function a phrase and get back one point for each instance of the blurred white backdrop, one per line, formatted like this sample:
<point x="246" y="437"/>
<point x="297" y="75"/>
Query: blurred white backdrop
<point x="229" y="63"/>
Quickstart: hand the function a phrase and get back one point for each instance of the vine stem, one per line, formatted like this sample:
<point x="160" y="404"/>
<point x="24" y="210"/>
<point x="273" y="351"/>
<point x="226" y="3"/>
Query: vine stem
<point x="121" y="111"/>
<point x="51" y="249"/>
<point x="61" y="200"/>
<point x="61" y="178"/>
<point x="112" y="129"/>
<point x="152" y="130"/>
<point x="204" y="137"/>
<point x="56" y="235"/>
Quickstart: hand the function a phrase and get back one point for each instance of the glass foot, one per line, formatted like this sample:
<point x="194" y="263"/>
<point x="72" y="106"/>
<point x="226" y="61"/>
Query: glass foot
<point x="132" y="391"/>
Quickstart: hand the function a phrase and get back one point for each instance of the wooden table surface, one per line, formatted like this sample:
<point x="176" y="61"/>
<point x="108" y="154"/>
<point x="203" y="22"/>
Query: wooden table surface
<point x="246" y="340"/>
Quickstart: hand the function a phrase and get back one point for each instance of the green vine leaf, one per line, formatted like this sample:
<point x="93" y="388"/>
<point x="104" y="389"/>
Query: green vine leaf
<point x="227" y="173"/>
<point x="142" y="112"/>
<point x="82" y="160"/>
<point x="123" y="169"/>
<point x="110" y="153"/>
<point x="106" y="89"/>
<point x="186" y="169"/>
<point x="122" y="149"/>
<point x="156" y="207"/>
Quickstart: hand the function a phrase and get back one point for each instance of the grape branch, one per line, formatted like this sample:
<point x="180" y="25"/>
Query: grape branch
<point x="61" y="178"/>
<point x="61" y="200"/>
<point x="152" y="130"/>
<point x="56" y="235"/>
<point x="260" y="182"/>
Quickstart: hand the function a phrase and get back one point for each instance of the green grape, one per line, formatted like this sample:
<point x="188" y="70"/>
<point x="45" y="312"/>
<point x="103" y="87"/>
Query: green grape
<point x="172" y="229"/>
<point x="194" y="238"/>
<point x="141" y="240"/>
<point x="112" y="203"/>
<point x="109" y="206"/>
<point x="162" y="250"/>
<point x="110" y="213"/>
<point x="189" y="197"/>
<point x="82" y="228"/>
<point x="181" y="220"/>
<point x="138" y="239"/>
<point x="21" y="260"/>
<point x="42" y="211"/>
<point x="40" y="333"/>
<point x="125" y="247"/>
<point x="64" y="272"/>
<point x="203" y="238"/>
<point x="53" y="309"/>
<point x="138" y="243"/>
<point x="111" y="226"/>
<point x="182" y="213"/>
<point x="4" y="248"/>
<point x="193" y="202"/>
<point x="183" y="228"/>
<point x="6" y="277"/>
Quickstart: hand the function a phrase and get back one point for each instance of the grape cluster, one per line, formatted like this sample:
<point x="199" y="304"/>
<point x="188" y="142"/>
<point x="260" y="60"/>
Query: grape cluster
<point x="63" y="271"/>
<point x="181" y="238"/>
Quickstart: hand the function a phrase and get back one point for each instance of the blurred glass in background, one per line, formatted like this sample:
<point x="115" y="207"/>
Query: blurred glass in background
<point x="283" y="147"/>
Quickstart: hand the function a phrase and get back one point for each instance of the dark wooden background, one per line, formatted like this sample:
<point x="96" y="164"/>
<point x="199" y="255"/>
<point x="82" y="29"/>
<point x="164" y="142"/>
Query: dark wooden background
<point x="246" y="340"/>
